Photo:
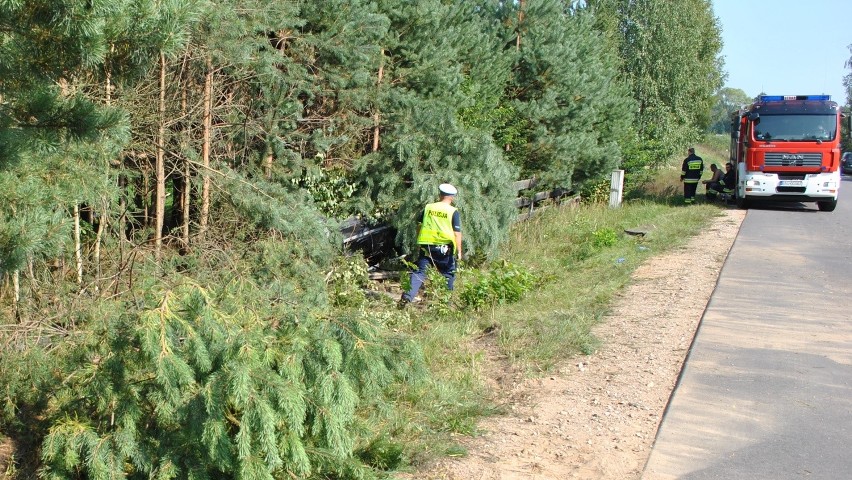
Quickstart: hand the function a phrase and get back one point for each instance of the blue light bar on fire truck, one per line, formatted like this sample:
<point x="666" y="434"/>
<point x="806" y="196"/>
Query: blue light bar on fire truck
<point x="781" y="98"/>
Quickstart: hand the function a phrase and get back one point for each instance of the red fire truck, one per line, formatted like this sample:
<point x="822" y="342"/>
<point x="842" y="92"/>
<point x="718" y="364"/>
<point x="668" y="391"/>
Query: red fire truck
<point x="787" y="148"/>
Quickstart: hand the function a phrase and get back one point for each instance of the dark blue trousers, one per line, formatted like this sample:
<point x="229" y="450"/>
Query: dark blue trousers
<point x="439" y="256"/>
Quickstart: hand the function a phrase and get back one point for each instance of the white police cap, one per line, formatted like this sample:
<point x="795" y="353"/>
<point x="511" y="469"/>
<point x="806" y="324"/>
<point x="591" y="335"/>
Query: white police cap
<point x="447" y="189"/>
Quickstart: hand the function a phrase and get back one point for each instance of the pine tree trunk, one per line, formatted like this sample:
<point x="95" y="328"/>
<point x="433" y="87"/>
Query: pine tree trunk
<point x="520" y="21"/>
<point x="78" y="246"/>
<point x="267" y="163"/>
<point x="101" y="225"/>
<point x="31" y="271"/>
<point x="205" y="150"/>
<point x="122" y="207"/>
<point x="376" y="115"/>
<point x="16" y="293"/>
<point x="104" y="200"/>
<point x="160" y="208"/>
<point x="186" y="184"/>
<point x="145" y="195"/>
<point x="185" y="202"/>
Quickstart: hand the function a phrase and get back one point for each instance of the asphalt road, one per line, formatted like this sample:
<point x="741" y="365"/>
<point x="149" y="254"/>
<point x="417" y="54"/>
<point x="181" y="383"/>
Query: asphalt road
<point x="766" y="391"/>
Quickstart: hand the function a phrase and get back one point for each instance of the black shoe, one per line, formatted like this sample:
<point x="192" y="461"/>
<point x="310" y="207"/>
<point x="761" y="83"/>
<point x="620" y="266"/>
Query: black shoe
<point x="403" y="301"/>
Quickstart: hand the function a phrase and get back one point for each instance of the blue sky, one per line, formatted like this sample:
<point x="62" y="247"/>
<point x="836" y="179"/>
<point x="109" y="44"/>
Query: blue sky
<point x="786" y="47"/>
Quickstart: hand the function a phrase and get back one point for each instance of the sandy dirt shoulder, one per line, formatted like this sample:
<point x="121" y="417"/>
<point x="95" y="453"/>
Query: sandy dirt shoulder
<point x="596" y="417"/>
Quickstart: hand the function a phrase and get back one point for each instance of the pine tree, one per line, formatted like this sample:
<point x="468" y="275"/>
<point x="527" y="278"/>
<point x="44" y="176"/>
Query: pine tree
<point x="430" y="84"/>
<point x="342" y="40"/>
<point x="570" y="110"/>
<point x="55" y="138"/>
<point x="199" y="384"/>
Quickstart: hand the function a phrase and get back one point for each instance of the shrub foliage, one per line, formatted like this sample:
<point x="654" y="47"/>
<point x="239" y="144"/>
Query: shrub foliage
<point x="200" y="384"/>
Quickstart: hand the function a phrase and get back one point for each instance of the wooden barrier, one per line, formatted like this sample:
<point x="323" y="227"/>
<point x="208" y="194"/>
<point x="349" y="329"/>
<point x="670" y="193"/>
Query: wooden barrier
<point x="531" y="201"/>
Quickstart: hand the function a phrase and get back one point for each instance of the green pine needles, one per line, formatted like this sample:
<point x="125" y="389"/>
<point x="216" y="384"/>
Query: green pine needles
<point x="202" y="385"/>
<point x="172" y="172"/>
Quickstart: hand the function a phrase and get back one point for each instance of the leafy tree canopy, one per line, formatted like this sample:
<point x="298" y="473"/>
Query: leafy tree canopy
<point x="727" y="100"/>
<point x="670" y="56"/>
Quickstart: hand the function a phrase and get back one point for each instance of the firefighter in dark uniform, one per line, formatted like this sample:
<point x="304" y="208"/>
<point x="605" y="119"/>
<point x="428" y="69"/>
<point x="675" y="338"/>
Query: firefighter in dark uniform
<point x="440" y="241"/>
<point x="690" y="175"/>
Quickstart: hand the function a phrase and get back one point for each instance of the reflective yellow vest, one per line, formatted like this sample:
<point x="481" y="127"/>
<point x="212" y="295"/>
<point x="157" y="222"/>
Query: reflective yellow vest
<point x="437" y="227"/>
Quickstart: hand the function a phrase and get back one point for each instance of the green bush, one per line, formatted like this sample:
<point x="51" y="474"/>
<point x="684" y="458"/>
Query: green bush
<point x="604" y="237"/>
<point x="596" y="192"/>
<point x="505" y="284"/>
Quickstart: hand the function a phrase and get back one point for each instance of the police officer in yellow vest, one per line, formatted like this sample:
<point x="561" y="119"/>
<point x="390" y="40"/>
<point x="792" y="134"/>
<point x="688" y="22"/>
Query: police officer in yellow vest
<point x="440" y="241"/>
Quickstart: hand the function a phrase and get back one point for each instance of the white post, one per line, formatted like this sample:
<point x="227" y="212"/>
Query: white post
<point x="616" y="188"/>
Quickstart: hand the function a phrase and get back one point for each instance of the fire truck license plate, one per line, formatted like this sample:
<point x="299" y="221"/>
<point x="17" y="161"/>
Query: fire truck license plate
<point x="790" y="183"/>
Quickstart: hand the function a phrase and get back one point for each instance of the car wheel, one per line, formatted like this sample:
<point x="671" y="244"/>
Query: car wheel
<point x="827" y="206"/>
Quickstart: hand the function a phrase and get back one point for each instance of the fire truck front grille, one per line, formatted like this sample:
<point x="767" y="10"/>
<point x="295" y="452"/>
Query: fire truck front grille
<point x="778" y="159"/>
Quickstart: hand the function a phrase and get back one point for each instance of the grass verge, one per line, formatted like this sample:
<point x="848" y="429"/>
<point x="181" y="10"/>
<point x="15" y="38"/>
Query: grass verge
<point x="579" y="258"/>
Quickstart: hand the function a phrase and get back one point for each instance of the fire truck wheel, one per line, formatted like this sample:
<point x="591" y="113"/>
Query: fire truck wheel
<point x="742" y="202"/>
<point x="828" y="206"/>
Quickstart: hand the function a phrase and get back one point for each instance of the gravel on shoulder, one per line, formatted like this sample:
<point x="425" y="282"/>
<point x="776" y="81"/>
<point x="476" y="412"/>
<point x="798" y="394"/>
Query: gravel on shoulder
<point x="596" y="416"/>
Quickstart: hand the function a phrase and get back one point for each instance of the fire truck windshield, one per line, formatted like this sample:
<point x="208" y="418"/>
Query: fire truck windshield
<point x="786" y="128"/>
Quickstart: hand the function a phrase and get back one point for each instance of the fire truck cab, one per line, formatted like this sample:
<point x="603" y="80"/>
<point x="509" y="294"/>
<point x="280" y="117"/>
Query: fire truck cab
<point x="787" y="149"/>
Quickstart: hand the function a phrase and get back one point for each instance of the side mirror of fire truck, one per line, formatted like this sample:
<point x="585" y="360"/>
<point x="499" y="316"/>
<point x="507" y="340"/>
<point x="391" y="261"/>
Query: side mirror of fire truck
<point x="754" y="117"/>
